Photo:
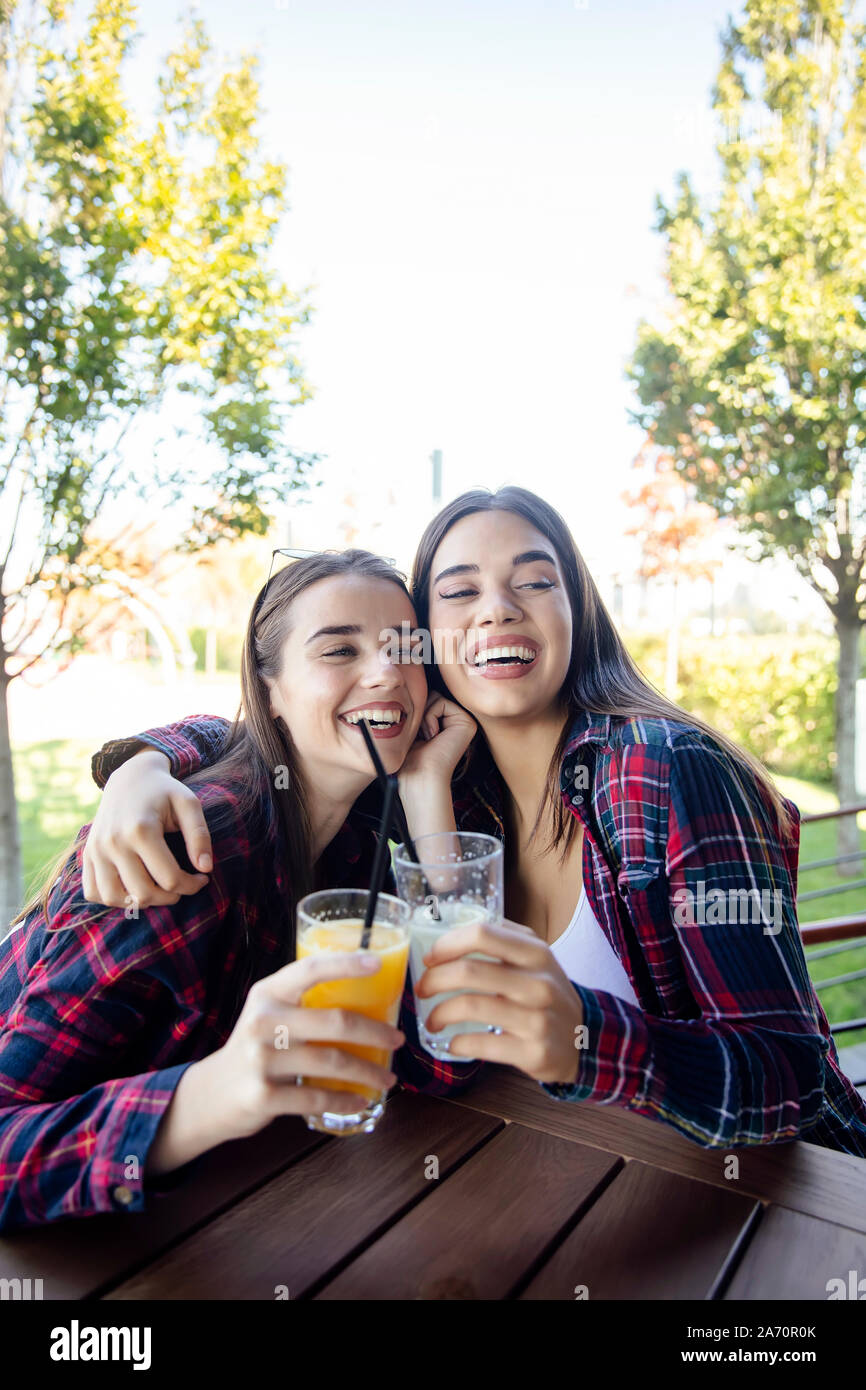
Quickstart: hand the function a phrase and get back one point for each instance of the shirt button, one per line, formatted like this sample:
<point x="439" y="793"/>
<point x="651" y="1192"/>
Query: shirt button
<point x="577" y="800"/>
<point x="123" y="1195"/>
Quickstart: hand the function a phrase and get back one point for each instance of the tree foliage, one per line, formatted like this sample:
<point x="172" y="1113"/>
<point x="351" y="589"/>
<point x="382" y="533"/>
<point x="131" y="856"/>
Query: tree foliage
<point x="135" y="276"/>
<point x="673" y="528"/>
<point x="137" y="295"/>
<point x="757" y="379"/>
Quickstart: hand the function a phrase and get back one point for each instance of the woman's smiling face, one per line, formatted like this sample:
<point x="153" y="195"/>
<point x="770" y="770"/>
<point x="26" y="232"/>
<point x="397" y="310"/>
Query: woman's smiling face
<point x="500" y="616"/>
<point x="335" y="666"/>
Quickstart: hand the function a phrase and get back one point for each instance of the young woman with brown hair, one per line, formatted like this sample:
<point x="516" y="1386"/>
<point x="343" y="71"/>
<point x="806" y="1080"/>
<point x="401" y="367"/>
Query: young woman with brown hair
<point x="654" y="860"/>
<point x="130" y="1044"/>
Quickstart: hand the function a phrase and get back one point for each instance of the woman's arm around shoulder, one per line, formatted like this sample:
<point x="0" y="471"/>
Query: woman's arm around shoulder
<point x="126" y="858"/>
<point x="189" y="745"/>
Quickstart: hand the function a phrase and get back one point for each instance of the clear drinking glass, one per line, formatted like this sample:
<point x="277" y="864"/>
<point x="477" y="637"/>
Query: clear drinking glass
<point x="460" y="875"/>
<point x="332" y="920"/>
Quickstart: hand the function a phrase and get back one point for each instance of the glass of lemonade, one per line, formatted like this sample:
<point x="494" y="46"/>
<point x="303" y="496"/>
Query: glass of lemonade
<point x="459" y="876"/>
<point x="332" y="920"/>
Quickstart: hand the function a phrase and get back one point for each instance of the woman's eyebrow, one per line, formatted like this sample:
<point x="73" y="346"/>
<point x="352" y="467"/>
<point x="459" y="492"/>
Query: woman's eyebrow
<point x="529" y="555"/>
<point x="456" y="569"/>
<point x="524" y="558"/>
<point x="347" y="630"/>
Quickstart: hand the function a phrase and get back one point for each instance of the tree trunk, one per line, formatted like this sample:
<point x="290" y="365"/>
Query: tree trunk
<point x="11" y="891"/>
<point x="848" y="632"/>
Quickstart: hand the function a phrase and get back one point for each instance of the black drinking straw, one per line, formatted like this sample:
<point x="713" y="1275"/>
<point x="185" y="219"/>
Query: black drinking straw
<point x="378" y="871"/>
<point x="399" y="814"/>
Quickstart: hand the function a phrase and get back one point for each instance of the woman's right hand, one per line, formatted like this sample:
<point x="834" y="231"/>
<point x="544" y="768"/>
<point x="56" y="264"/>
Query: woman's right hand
<point x="125" y="857"/>
<point x="276" y="1039"/>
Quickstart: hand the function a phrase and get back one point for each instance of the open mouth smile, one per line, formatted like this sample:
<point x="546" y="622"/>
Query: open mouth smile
<point x="385" y="721"/>
<point x="505" y="660"/>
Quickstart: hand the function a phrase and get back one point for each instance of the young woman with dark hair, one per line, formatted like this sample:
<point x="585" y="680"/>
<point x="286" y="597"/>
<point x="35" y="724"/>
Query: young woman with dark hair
<point x="133" y="1042"/>
<point x="654" y="860"/>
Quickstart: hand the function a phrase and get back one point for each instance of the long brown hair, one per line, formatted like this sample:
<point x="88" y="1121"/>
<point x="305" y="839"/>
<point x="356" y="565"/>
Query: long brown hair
<point x="257" y="744"/>
<point x="602" y="677"/>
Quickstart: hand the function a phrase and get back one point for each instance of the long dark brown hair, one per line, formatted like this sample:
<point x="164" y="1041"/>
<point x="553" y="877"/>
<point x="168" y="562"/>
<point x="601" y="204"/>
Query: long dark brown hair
<point x="257" y="744"/>
<point x="602" y="677"/>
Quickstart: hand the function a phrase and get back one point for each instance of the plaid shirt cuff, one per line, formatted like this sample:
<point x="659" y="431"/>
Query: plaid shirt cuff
<point x="613" y="1053"/>
<point x="117" y="1180"/>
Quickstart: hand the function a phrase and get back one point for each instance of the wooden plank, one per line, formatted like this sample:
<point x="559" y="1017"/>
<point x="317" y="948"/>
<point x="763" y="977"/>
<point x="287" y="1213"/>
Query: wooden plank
<point x="650" y="1235"/>
<point x="76" y="1258"/>
<point x="793" y="1256"/>
<point x="805" y="1177"/>
<point x="480" y="1232"/>
<point x="296" y="1230"/>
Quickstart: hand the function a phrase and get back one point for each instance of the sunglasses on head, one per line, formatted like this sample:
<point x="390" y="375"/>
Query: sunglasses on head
<point x="306" y="555"/>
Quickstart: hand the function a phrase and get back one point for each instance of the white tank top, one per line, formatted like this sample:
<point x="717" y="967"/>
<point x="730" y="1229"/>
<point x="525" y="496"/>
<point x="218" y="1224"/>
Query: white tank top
<point x="587" y="956"/>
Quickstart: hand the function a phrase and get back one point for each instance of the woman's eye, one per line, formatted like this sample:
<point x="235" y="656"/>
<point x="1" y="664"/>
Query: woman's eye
<point x="340" y="651"/>
<point x="533" y="584"/>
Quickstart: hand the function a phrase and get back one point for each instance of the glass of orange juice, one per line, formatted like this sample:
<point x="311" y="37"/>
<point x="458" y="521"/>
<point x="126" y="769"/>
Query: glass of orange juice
<point x="333" y="920"/>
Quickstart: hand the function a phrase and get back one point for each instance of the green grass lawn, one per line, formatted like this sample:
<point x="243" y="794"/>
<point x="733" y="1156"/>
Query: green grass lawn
<point x="56" y="796"/>
<point x="818" y="841"/>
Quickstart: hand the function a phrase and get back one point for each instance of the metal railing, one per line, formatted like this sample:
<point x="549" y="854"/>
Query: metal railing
<point x="845" y="932"/>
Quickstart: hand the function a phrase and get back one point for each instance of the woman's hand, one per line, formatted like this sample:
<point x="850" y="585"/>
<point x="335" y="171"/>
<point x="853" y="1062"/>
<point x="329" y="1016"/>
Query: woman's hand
<point x="525" y="992"/>
<point x="424" y="780"/>
<point x="276" y="1040"/>
<point x="253" y="1077"/>
<point x="126" y="857"/>
<point x="445" y="732"/>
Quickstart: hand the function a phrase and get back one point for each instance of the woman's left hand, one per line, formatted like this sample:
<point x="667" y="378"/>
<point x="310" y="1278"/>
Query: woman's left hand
<point x="525" y="992"/>
<point x="445" y="732"/>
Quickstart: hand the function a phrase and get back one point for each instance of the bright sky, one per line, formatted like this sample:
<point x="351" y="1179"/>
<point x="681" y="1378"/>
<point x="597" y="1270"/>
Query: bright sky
<point x="472" y="189"/>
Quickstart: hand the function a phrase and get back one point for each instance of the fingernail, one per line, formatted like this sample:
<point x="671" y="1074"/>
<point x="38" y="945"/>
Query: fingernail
<point x="369" y="962"/>
<point x="205" y="863"/>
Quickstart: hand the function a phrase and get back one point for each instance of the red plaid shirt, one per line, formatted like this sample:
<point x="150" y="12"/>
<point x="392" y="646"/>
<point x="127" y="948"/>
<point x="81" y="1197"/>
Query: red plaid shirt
<point x="101" y="1015"/>
<point x="729" y="1043"/>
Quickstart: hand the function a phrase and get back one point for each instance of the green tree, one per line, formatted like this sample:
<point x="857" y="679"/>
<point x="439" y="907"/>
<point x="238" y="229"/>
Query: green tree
<point x="755" y="381"/>
<point x="135" y="280"/>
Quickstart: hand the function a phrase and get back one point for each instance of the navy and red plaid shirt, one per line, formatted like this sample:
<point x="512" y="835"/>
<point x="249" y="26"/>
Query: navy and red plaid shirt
<point x="101" y="1014"/>
<point x="728" y="1043"/>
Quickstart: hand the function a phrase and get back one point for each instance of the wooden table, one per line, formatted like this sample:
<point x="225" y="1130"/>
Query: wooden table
<point x="500" y="1194"/>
